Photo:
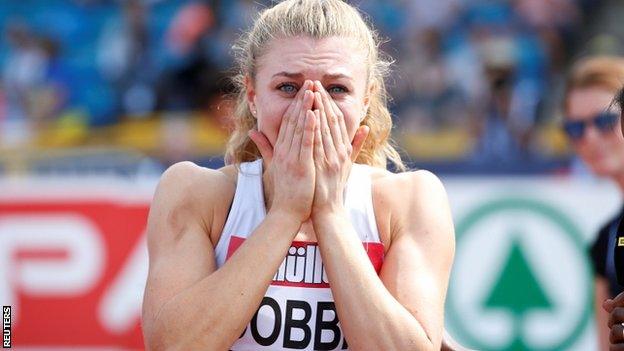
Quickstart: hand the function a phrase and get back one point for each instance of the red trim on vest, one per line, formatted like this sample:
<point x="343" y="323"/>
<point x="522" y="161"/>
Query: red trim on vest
<point x="302" y="266"/>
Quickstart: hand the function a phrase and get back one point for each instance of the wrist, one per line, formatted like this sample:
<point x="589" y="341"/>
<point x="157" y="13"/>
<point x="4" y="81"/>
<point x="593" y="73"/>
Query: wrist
<point x="289" y="218"/>
<point x="329" y="212"/>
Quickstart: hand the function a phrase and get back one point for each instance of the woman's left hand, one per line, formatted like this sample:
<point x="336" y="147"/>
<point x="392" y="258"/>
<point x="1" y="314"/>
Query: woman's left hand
<point x="334" y="153"/>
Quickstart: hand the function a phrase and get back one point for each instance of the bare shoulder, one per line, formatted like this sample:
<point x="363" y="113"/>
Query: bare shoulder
<point x="189" y="194"/>
<point x="186" y="181"/>
<point x="413" y="203"/>
<point x="405" y="187"/>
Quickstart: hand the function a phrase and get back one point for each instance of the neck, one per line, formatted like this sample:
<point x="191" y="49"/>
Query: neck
<point x="267" y="187"/>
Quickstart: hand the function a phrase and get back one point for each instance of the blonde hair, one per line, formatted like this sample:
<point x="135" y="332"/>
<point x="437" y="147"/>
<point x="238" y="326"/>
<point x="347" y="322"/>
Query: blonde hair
<point x="605" y="72"/>
<point x="315" y="19"/>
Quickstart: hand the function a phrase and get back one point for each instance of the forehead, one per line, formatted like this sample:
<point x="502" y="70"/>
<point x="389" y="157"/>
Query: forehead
<point x="313" y="57"/>
<point x="586" y="102"/>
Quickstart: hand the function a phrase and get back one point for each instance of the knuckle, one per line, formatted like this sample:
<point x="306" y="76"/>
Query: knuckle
<point x="291" y="164"/>
<point x="341" y="152"/>
<point x="279" y="155"/>
<point x="292" y="119"/>
<point x="333" y="165"/>
<point x="343" y="156"/>
<point x="348" y="149"/>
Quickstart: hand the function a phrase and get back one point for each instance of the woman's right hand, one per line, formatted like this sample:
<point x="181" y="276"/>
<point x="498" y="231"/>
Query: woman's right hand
<point x="289" y="164"/>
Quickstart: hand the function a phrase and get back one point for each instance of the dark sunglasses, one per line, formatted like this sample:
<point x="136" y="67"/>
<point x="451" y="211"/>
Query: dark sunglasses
<point x="604" y="122"/>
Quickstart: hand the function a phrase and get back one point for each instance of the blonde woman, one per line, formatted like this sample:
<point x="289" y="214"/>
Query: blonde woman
<point x="304" y="241"/>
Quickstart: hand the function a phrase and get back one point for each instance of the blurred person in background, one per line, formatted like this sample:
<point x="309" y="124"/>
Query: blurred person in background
<point x="592" y="124"/>
<point x="192" y="79"/>
<point x="216" y="238"/>
<point x="50" y="99"/>
<point x="36" y="85"/>
<point x="125" y="60"/>
<point x="615" y="306"/>
<point x="513" y="71"/>
<point x="23" y="71"/>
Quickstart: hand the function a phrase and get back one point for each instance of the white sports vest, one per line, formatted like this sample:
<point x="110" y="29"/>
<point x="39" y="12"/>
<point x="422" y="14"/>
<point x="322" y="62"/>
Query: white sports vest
<point x="298" y="309"/>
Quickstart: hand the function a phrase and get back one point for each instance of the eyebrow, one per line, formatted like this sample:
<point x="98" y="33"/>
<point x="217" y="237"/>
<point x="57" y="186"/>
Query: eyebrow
<point x="299" y="75"/>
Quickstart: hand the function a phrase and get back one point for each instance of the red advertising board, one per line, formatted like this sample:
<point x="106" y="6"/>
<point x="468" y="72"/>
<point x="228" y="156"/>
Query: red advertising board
<point x="74" y="262"/>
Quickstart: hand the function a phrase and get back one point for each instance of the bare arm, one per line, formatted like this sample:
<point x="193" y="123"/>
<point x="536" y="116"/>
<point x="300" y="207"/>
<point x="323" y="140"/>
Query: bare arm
<point x="189" y="304"/>
<point x="186" y="297"/>
<point x="404" y="309"/>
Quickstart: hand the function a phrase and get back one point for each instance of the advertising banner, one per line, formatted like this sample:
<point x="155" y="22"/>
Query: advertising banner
<point x="74" y="261"/>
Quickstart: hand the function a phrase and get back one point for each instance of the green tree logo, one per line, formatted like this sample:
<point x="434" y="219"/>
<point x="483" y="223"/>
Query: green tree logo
<point x="505" y="294"/>
<point x="518" y="290"/>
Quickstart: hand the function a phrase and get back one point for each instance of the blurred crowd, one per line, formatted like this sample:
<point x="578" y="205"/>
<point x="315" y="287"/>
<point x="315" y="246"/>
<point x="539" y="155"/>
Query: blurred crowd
<point x="487" y="72"/>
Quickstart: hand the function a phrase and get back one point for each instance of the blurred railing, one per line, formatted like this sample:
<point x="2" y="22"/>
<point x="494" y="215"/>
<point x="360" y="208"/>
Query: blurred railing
<point x="148" y="145"/>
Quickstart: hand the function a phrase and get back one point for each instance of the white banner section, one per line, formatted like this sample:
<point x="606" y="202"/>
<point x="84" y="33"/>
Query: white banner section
<point x="522" y="278"/>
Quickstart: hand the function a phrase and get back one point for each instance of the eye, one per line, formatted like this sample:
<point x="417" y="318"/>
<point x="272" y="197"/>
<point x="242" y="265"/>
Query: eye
<point x="337" y="89"/>
<point x="287" y="88"/>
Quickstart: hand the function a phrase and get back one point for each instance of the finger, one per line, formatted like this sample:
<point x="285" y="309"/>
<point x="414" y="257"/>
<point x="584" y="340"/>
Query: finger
<point x="618" y="300"/>
<point x="358" y="141"/>
<point x="319" y="153"/>
<point x="289" y="120"/>
<point x="290" y="123"/>
<point x="332" y="118"/>
<point x="326" y="137"/>
<point x="293" y="139"/>
<point x="307" y="140"/>
<point x="332" y="108"/>
<point x="616" y="316"/>
<point x="616" y="334"/>
<point x="262" y="143"/>
<point x="607" y="305"/>
<point x="341" y="121"/>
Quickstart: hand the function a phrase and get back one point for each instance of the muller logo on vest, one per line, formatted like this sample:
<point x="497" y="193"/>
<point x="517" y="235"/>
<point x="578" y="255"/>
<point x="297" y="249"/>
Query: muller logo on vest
<point x="303" y="266"/>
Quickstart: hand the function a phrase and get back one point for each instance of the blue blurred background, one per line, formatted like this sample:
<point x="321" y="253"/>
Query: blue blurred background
<point x="476" y="87"/>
